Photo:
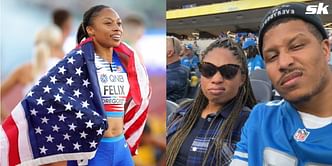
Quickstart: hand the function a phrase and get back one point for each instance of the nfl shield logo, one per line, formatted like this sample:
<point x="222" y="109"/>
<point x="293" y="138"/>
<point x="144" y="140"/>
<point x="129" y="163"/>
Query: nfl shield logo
<point x="301" y="135"/>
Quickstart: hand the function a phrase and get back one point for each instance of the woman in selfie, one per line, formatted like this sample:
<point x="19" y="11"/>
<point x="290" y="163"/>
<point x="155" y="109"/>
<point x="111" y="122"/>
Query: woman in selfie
<point x="205" y="131"/>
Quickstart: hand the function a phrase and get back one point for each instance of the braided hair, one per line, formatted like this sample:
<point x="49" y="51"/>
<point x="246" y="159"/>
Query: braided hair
<point x="87" y="21"/>
<point x="243" y="98"/>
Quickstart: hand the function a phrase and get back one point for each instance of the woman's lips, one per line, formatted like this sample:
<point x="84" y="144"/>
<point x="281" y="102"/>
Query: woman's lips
<point x="216" y="91"/>
<point x="290" y="79"/>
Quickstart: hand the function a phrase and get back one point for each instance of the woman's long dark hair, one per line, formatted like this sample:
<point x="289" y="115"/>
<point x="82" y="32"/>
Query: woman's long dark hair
<point x="87" y="21"/>
<point x="243" y="98"/>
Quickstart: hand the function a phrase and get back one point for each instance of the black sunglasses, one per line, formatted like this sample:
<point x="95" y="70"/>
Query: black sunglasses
<point x="228" y="71"/>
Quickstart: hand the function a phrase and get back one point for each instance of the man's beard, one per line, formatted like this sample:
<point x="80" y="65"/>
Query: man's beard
<point x="313" y="92"/>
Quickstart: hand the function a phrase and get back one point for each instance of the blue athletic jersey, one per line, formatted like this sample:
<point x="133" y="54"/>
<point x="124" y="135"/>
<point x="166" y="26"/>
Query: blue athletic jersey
<point x="274" y="134"/>
<point x="113" y="83"/>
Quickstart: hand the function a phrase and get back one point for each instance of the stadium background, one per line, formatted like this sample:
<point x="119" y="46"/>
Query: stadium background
<point x="207" y="19"/>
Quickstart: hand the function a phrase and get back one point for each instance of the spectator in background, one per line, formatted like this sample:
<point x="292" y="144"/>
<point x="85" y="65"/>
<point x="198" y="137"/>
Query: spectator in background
<point x="196" y="48"/>
<point x="177" y="75"/>
<point x="237" y="38"/>
<point x="254" y="59"/>
<point x="133" y="31"/>
<point x="63" y="19"/>
<point x="190" y="59"/>
<point x="48" y="52"/>
<point x="252" y="36"/>
<point x="204" y="132"/>
<point x="183" y="50"/>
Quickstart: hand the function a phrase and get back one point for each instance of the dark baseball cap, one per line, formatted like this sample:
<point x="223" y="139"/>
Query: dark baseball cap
<point x="289" y="10"/>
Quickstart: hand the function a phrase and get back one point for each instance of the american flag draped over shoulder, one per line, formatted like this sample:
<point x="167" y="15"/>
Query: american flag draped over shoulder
<point x="62" y="117"/>
<point x="139" y="97"/>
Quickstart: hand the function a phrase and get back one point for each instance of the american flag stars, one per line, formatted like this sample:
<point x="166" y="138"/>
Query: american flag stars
<point x="100" y="131"/>
<point x="55" y="128"/>
<point x="38" y="130"/>
<point x="78" y="71"/>
<point x="44" y="120"/>
<point x="53" y="79"/>
<point x="79" y="114"/>
<point x="72" y="127"/>
<point x="61" y="90"/>
<point x="61" y="110"/>
<point x="49" y="138"/>
<point x="89" y="124"/>
<point x="47" y="89"/>
<point x="62" y="118"/>
<point x="30" y="94"/>
<point x="93" y="144"/>
<point x="40" y="101"/>
<point x="66" y="137"/>
<point x="62" y="70"/>
<point x="77" y="93"/>
<point x="69" y="81"/>
<point x="43" y="150"/>
<point x="33" y="112"/>
<point x="57" y="97"/>
<point x="68" y="106"/>
<point x="86" y="82"/>
<point x="85" y="104"/>
<point x="80" y="52"/>
<point x="77" y="146"/>
<point x="83" y="135"/>
<point x="60" y="147"/>
<point x="50" y="110"/>
<point x="70" y="60"/>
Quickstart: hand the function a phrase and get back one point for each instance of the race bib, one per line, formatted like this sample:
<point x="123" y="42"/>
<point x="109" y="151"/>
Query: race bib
<point x="114" y="87"/>
<point x="113" y="81"/>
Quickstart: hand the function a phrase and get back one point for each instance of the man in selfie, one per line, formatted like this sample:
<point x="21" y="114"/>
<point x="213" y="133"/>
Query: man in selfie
<point x="296" y="130"/>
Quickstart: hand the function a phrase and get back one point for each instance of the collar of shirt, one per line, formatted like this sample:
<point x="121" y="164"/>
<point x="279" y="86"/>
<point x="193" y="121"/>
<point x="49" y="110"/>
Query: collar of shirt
<point x="176" y="120"/>
<point x="225" y="111"/>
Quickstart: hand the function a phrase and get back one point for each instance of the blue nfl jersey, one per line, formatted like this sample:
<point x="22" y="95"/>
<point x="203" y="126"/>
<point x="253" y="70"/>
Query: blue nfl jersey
<point x="274" y="134"/>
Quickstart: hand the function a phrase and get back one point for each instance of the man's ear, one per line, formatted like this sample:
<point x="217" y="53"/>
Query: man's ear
<point x="90" y="31"/>
<point x="326" y="49"/>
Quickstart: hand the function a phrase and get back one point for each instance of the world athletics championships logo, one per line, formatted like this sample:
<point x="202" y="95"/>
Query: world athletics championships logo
<point x="103" y="78"/>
